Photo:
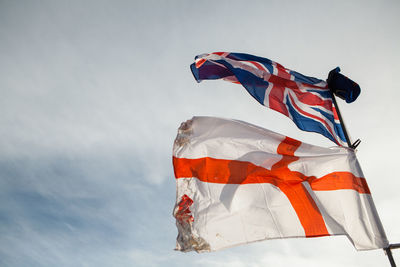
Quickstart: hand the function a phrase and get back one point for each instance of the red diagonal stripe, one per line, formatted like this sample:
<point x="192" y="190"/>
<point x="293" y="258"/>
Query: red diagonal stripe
<point x="323" y="121"/>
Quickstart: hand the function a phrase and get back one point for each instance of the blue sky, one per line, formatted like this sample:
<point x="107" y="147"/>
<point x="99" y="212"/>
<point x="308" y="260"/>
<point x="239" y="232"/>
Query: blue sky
<point x="92" y="93"/>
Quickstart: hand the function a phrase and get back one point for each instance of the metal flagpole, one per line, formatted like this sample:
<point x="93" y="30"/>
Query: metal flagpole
<point x="343" y="125"/>
<point x="387" y="250"/>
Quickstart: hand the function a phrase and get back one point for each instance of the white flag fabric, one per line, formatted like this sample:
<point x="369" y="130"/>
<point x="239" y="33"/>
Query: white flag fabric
<point x="238" y="183"/>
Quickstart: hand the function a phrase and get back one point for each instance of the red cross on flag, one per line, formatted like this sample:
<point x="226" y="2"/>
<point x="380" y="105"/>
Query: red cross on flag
<point x="238" y="183"/>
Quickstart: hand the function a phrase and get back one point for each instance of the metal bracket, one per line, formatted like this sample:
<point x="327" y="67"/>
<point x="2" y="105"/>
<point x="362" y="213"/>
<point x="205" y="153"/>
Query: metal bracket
<point x="355" y="144"/>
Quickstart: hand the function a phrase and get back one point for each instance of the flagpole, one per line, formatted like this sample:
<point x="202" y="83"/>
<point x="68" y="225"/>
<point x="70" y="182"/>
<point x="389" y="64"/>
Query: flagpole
<point x="341" y="121"/>
<point x="387" y="250"/>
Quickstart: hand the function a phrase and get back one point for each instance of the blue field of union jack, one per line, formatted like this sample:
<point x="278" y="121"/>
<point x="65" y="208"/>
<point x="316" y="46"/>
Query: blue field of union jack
<point x="306" y="100"/>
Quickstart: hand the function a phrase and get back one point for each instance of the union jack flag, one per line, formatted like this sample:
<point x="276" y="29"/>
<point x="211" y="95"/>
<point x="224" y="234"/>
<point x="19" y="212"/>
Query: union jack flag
<point x="306" y="100"/>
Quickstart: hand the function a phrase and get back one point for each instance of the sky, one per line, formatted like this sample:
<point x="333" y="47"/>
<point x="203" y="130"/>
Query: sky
<point x="92" y="94"/>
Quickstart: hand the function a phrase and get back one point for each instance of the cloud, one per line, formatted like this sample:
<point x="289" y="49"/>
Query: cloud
<point x="63" y="211"/>
<point x="92" y="94"/>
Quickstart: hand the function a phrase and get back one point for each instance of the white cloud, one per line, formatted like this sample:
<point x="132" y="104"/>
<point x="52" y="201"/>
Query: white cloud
<point x="92" y="94"/>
